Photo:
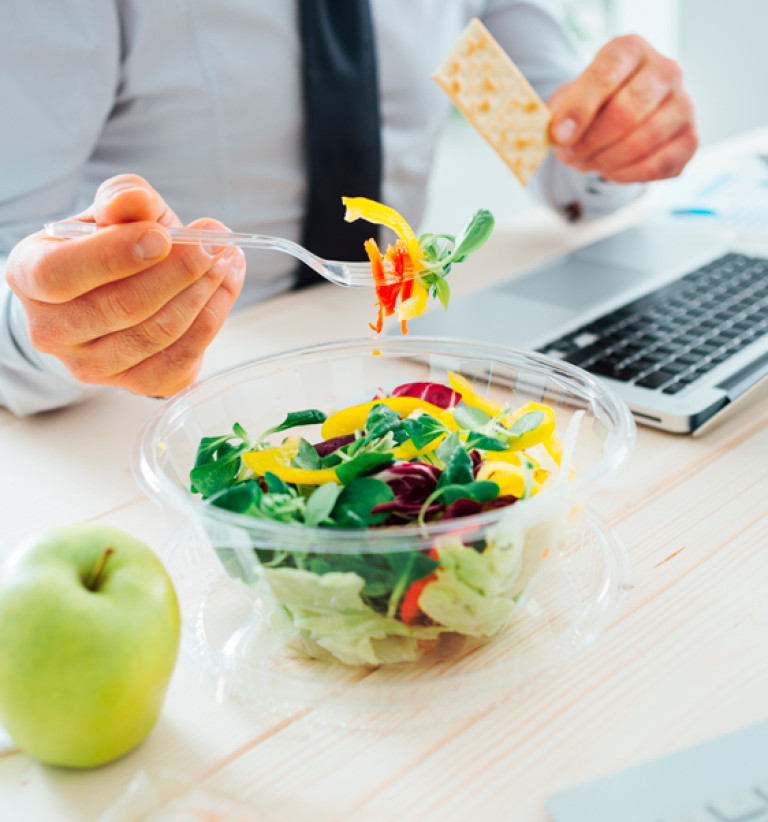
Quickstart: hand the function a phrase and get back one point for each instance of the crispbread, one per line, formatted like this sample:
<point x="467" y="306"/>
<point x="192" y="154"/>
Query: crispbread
<point x="489" y="89"/>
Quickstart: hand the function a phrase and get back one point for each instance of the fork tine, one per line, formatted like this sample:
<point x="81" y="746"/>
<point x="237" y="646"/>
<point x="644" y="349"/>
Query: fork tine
<point x="359" y="274"/>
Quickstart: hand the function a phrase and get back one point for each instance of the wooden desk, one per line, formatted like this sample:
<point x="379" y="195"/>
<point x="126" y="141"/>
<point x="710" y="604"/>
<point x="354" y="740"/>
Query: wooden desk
<point x="684" y="660"/>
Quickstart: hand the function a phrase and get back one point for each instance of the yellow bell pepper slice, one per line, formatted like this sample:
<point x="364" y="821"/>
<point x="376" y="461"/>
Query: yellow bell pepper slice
<point x="462" y="386"/>
<point x="352" y="419"/>
<point x="415" y="305"/>
<point x="362" y="208"/>
<point x="544" y="433"/>
<point x="510" y="478"/>
<point x="276" y="460"/>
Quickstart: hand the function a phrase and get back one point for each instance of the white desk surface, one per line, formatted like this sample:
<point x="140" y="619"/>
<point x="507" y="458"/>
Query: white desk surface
<point x="685" y="658"/>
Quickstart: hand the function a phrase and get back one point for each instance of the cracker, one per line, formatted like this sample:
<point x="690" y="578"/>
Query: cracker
<point x="491" y="92"/>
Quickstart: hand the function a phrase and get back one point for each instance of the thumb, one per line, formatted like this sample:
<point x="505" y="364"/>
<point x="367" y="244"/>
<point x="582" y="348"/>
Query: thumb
<point x="564" y="126"/>
<point x="129" y="198"/>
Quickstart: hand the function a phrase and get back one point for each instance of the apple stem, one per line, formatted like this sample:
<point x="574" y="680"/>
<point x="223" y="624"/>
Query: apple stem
<point x="92" y="582"/>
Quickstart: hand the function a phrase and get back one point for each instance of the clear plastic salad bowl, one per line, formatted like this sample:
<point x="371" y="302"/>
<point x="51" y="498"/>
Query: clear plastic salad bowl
<point x="488" y="560"/>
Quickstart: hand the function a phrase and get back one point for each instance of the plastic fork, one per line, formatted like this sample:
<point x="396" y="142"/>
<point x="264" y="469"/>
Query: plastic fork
<point x="340" y="273"/>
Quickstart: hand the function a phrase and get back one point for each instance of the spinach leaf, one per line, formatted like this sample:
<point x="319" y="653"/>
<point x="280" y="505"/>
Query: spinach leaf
<point x="310" y="416"/>
<point x="448" y="446"/>
<point x="320" y="504"/>
<point x="354" y="503"/>
<point x="528" y="422"/>
<point x="361" y="465"/>
<point x="423" y="429"/>
<point x="306" y="457"/>
<point x="474" y="235"/>
<point x="275" y="485"/>
<point x="469" y="418"/>
<point x="478" y="490"/>
<point x="442" y="291"/>
<point x="217" y="463"/>
<point x="243" y="498"/>
<point x="475" y="440"/>
<point x="381" y="420"/>
<point x="458" y="469"/>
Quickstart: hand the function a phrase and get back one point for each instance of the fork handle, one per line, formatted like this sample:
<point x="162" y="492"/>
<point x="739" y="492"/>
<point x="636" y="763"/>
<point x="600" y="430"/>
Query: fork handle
<point x="183" y="236"/>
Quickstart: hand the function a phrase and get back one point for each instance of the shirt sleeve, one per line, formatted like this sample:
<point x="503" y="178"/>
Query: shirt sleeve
<point x="58" y="87"/>
<point x="30" y="381"/>
<point x="547" y="55"/>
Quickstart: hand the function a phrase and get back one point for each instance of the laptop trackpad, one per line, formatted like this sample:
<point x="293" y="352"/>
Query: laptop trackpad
<point x="498" y="318"/>
<point x="572" y="284"/>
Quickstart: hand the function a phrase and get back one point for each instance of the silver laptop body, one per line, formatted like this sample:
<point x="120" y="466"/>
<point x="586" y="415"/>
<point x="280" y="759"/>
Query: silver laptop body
<point x="553" y="300"/>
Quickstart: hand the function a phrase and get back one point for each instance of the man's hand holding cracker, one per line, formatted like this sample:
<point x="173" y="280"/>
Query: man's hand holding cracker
<point x="626" y="117"/>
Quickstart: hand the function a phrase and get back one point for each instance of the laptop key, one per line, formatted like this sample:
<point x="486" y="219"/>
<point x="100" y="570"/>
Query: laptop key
<point x="655" y="379"/>
<point x="674" y="388"/>
<point x="583" y="355"/>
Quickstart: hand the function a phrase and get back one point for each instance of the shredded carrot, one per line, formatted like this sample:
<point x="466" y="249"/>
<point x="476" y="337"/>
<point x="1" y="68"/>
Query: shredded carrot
<point x="393" y="273"/>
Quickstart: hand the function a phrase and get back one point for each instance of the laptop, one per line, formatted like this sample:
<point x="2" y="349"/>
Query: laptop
<point x="724" y="779"/>
<point x="674" y="319"/>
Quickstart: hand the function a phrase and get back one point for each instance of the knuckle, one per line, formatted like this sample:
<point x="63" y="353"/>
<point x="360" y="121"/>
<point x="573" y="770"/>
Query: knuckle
<point x="116" y="307"/>
<point x="112" y="266"/>
<point x="673" y="71"/>
<point x="207" y="322"/>
<point x="165" y="327"/>
<point x="194" y="263"/>
<point x="621" y="115"/>
<point x="632" y="42"/>
<point x="41" y="334"/>
<point x="85" y="370"/>
<point x="121" y="181"/>
<point x="38" y="277"/>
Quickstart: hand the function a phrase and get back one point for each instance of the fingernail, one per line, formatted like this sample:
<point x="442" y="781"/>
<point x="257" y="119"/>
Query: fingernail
<point x="212" y="249"/>
<point x="152" y="245"/>
<point x="564" y="130"/>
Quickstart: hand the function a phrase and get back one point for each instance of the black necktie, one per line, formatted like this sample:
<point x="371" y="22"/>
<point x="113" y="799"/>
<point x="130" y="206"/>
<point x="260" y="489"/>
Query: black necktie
<point x="341" y="117"/>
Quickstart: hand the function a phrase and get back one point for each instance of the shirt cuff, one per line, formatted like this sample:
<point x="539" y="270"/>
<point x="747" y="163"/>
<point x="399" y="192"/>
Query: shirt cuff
<point x="30" y="381"/>
<point x="575" y="194"/>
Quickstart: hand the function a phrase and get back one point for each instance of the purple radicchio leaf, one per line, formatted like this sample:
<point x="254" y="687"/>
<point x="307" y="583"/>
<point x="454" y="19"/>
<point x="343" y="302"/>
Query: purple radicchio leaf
<point x="461" y="508"/>
<point x="411" y="483"/>
<point x="501" y="501"/>
<point x="468" y="507"/>
<point x="329" y="446"/>
<point x="440" y="395"/>
<point x="400" y="512"/>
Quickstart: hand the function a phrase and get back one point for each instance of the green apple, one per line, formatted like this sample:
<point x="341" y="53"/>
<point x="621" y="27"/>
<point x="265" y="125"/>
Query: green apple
<point x="89" y="633"/>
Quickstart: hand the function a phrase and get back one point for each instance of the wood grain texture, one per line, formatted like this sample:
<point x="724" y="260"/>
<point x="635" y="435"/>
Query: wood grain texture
<point x="684" y="659"/>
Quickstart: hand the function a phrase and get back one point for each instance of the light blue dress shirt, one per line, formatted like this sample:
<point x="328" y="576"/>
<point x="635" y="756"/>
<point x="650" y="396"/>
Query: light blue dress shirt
<point x="203" y="99"/>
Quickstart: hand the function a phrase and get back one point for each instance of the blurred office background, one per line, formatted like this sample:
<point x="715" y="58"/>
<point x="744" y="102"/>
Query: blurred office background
<point x="720" y="45"/>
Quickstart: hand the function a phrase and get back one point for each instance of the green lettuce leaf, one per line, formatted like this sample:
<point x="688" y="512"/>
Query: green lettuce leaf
<point x="329" y="612"/>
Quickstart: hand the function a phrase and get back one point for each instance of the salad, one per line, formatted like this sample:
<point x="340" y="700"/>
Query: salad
<point x="419" y="454"/>
<point x="413" y="269"/>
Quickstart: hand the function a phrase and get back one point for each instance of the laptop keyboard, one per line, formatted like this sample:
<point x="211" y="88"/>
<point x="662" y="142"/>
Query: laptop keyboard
<point x="723" y="779"/>
<point x="669" y="338"/>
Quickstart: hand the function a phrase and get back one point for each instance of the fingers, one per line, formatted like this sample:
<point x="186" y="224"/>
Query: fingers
<point x="673" y="120"/>
<point x="115" y="358"/>
<point x="124" y="303"/>
<point x="575" y="106"/>
<point x="129" y="198"/>
<point x="627" y="107"/>
<point x="50" y="270"/>
<point x="665" y="161"/>
<point x="637" y="100"/>
<point x="176" y="367"/>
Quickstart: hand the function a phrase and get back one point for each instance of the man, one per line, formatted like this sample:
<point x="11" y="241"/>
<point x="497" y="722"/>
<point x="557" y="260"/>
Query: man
<point x="203" y="103"/>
